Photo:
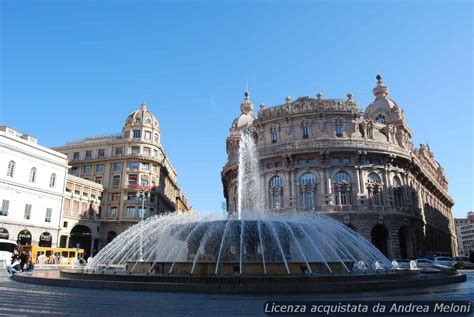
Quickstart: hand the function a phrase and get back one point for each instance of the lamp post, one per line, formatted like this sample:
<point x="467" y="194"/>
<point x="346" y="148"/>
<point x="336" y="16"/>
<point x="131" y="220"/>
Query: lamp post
<point x="143" y="192"/>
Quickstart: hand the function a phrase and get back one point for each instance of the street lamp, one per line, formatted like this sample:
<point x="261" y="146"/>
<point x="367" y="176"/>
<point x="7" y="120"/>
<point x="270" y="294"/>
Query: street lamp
<point x="143" y="192"/>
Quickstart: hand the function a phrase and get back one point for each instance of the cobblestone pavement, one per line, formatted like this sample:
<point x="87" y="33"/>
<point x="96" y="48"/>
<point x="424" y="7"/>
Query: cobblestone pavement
<point x="29" y="299"/>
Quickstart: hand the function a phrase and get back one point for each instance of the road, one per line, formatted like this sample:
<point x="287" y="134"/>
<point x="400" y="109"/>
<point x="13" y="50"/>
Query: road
<point x="29" y="299"/>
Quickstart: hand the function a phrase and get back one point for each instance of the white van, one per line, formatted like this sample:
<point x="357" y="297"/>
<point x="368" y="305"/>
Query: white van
<point x="6" y="251"/>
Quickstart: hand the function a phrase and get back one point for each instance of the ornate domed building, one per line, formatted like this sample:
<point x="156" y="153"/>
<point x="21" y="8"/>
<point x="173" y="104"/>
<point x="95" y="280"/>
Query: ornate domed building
<point x="121" y="162"/>
<point x="360" y="167"/>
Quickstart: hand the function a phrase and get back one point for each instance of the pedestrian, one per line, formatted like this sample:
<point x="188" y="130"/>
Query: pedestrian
<point x="29" y="266"/>
<point x="14" y="267"/>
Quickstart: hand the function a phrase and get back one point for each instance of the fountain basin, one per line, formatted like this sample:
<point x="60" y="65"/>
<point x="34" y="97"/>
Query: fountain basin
<point x="283" y="284"/>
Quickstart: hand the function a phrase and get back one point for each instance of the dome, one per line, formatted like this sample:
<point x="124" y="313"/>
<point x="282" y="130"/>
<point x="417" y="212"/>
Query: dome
<point x="246" y="117"/>
<point x="383" y="106"/>
<point x="142" y="116"/>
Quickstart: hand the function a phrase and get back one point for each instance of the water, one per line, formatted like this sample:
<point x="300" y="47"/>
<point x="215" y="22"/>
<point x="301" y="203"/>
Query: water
<point x="250" y="189"/>
<point x="252" y="241"/>
<point x="293" y="244"/>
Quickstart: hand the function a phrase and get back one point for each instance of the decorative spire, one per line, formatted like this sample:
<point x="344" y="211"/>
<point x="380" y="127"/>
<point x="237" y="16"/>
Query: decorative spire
<point x="319" y="95"/>
<point x="288" y="99"/>
<point x="246" y="106"/>
<point x="143" y="106"/>
<point x="380" y="91"/>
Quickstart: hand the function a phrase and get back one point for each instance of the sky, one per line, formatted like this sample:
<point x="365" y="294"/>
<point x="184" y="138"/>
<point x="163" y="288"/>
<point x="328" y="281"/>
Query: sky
<point x="74" y="69"/>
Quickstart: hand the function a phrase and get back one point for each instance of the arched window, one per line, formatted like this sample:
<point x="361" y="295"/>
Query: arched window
<point x="276" y="192"/>
<point x="305" y="132"/>
<point x="274" y="137"/>
<point x="11" y="169"/>
<point x="33" y="175"/>
<point x="374" y="189"/>
<point x="397" y="192"/>
<point x="138" y="121"/>
<point x="52" y="180"/>
<point x="339" y="129"/>
<point x="308" y="191"/>
<point x="148" y="121"/>
<point x="380" y="118"/>
<point x="342" y="188"/>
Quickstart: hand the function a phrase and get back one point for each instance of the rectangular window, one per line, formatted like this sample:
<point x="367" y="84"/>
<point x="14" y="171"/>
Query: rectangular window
<point x="65" y="224"/>
<point x="146" y="166"/>
<point x="75" y="207"/>
<point x="301" y="162"/>
<point x="132" y="196"/>
<point x="147" y="135"/>
<point x="132" y="179"/>
<point x="88" y="155"/>
<point x="86" y="169"/>
<point x="135" y="150"/>
<point x="67" y="205"/>
<point x="99" y="168"/>
<point x="305" y="132"/>
<point x="77" y="192"/>
<point x="312" y="161"/>
<point x="47" y="218"/>
<point x="115" y="197"/>
<point x="117" y="167"/>
<point x="75" y="156"/>
<point x="118" y="151"/>
<point x="274" y="137"/>
<point x="116" y="181"/>
<point x="113" y="212"/>
<point x="27" y="211"/>
<point x="339" y="130"/>
<point x="141" y="214"/>
<point x="101" y="153"/>
<point x="146" y="151"/>
<point x="137" y="134"/>
<point x="130" y="212"/>
<point x="155" y="153"/>
<point x="75" y="171"/>
<point x="133" y="166"/>
<point x="127" y="134"/>
<point x="156" y="138"/>
<point x="5" y="206"/>
<point x="98" y="180"/>
<point x="144" y="182"/>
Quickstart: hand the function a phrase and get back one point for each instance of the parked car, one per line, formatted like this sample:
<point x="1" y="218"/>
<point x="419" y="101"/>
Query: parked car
<point x="423" y="263"/>
<point x="401" y="263"/>
<point x="443" y="260"/>
<point x="461" y="262"/>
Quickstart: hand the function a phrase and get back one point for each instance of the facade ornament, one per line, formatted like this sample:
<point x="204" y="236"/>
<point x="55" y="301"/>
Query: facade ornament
<point x="246" y="106"/>
<point x="380" y="91"/>
<point x="288" y="99"/>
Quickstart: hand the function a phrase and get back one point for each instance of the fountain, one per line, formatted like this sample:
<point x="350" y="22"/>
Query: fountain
<point x="251" y="251"/>
<point x="253" y="242"/>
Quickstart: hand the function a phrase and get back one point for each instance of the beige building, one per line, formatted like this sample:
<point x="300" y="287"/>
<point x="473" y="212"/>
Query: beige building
<point x="118" y="162"/>
<point x="80" y="223"/>
<point x="359" y="166"/>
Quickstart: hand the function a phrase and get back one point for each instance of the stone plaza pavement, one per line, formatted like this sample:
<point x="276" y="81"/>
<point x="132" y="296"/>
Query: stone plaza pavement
<point x="28" y="299"/>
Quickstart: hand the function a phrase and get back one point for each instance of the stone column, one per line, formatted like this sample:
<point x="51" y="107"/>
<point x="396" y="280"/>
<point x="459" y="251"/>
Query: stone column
<point x="387" y="189"/>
